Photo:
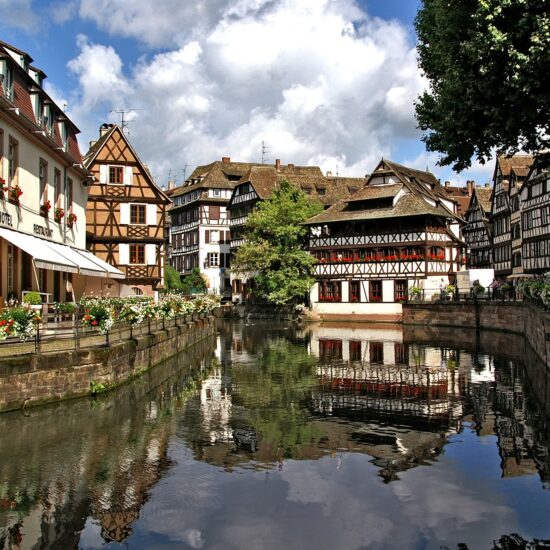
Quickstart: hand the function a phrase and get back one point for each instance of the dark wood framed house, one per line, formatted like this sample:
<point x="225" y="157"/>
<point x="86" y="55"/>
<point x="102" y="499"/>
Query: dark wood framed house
<point x="259" y="183"/>
<point x="508" y="171"/>
<point x="477" y="232"/>
<point x="125" y="215"/>
<point x="400" y="231"/>
<point x="535" y="218"/>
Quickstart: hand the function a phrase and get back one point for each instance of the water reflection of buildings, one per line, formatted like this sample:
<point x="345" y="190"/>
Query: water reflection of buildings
<point x="83" y="460"/>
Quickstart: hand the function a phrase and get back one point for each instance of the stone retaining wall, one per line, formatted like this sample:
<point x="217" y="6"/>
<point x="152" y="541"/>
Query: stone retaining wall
<point x="36" y="379"/>
<point x="505" y="317"/>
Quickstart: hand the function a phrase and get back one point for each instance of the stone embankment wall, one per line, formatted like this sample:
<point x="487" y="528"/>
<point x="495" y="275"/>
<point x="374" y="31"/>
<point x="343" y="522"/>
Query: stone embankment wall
<point x="35" y="379"/>
<point x="503" y="317"/>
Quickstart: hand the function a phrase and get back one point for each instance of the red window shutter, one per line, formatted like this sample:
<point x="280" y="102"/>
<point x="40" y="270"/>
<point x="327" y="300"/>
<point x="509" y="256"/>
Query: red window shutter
<point x="207" y="237"/>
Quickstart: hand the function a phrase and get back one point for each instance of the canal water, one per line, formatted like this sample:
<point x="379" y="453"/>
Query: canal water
<point x="268" y="437"/>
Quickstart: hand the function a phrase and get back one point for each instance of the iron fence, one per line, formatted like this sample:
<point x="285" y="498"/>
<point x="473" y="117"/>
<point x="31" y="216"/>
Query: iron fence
<point x="66" y="331"/>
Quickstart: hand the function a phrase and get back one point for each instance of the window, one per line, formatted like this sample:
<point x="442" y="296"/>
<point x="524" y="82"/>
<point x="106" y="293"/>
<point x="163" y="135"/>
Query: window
<point x="69" y="194"/>
<point x="43" y="180"/>
<point x="213" y="259"/>
<point x="137" y="291"/>
<point x="376" y="352"/>
<point x="355" y="350"/>
<point x="401" y="290"/>
<point x="116" y="174"/>
<point x="57" y="187"/>
<point x="375" y="291"/>
<point x="330" y="291"/>
<point x="13" y="159"/>
<point x="217" y="192"/>
<point x="330" y="349"/>
<point x="137" y="214"/>
<point x="137" y="253"/>
<point x="355" y="291"/>
<point x="401" y="354"/>
<point x="7" y="85"/>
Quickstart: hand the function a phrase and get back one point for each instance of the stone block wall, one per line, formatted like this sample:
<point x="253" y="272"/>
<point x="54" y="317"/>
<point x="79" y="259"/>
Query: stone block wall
<point x="492" y="320"/>
<point x="36" y="379"/>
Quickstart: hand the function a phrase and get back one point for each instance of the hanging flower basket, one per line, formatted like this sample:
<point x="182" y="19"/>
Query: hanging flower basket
<point x="71" y="219"/>
<point x="14" y="194"/>
<point x="58" y="214"/>
<point x="45" y="208"/>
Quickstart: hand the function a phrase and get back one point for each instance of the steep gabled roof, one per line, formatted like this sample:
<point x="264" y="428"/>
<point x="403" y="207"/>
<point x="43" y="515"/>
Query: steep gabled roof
<point x="109" y="132"/>
<point x="520" y="164"/>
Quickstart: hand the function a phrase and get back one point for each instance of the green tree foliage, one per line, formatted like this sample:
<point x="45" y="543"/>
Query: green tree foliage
<point x="487" y="64"/>
<point x="172" y="279"/>
<point x="275" y="249"/>
<point x="194" y="282"/>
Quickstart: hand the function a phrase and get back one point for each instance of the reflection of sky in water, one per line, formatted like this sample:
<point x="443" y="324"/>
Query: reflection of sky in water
<point x="276" y="448"/>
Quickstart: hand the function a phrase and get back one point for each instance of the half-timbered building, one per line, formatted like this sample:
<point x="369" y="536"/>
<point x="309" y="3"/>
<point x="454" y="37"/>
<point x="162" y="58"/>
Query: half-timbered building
<point x="535" y="214"/>
<point x="125" y="216"/>
<point x="200" y="222"/>
<point x="258" y="184"/>
<point x="43" y="190"/>
<point x="508" y="171"/>
<point x="400" y="231"/>
<point x="477" y="231"/>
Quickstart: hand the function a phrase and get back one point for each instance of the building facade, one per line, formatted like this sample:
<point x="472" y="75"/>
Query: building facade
<point x="259" y="183"/>
<point x="400" y="231"/>
<point x="125" y="216"/>
<point x="477" y="230"/>
<point x="43" y="191"/>
<point x="535" y="219"/>
<point x="509" y="171"/>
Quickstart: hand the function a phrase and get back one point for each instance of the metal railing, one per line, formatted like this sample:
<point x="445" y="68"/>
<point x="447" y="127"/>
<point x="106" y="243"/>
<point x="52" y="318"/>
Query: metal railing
<point x="442" y="295"/>
<point x="66" y="331"/>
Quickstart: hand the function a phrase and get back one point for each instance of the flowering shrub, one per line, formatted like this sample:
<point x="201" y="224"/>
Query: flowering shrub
<point x="131" y="313"/>
<point x="71" y="219"/>
<point x="19" y="321"/>
<point x="58" y="214"/>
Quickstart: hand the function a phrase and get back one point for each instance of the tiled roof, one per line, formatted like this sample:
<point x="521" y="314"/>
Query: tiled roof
<point x="408" y="205"/>
<point x="23" y="83"/>
<point x="484" y="197"/>
<point x="520" y="164"/>
<point x="376" y="192"/>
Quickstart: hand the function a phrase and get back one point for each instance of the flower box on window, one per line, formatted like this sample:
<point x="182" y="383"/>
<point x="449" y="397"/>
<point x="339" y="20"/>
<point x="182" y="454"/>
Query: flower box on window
<point x="14" y="194"/>
<point x="71" y="220"/>
<point x="45" y="208"/>
<point x="58" y="214"/>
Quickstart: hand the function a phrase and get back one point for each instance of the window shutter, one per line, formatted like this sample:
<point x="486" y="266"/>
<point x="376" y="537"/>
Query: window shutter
<point x="124" y="213"/>
<point x="207" y="237"/>
<point x="128" y="175"/>
<point x="103" y="173"/>
<point x="123" y="254"/>
<point x="214" y="212"/>
<point x="222" y="260"/>
<point x="151" y="254"/>
<point x="151" y="218"/>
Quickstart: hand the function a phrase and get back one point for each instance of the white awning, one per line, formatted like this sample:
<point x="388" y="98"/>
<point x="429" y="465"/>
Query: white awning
<point x="112" y="272"/>
<point x="60" y="257"/>
<point x="44" y="256"/>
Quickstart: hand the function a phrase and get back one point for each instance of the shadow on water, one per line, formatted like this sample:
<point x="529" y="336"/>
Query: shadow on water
<point x="385" y="421"/>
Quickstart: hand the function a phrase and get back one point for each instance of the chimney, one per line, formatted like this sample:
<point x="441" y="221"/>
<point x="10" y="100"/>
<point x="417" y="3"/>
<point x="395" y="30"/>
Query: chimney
<point x="171" y="185"/>
<point x="92" y="143"/>
<point x="277" y="164"/>
<point x="226" y="160"/>
<point x="329" y="174"/>
<point x="104" y="128"/>
<point x="291" y="166"/>
<point x="470" y="187"/>
<point x="487" y="186"/>
<point x="447" y="184"/>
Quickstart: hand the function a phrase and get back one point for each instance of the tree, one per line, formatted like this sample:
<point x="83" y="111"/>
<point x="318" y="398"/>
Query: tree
<point x="487" y="65"/>
<point x="274" y="252"/>
<point x="195" y="282"/>
<point x="172" y="279"/>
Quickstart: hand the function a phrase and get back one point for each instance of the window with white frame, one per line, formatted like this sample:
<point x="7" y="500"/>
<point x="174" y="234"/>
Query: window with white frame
<point x="213" y="259"/>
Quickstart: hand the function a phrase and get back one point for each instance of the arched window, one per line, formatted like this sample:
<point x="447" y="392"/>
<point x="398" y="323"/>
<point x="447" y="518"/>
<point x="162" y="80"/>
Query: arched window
<point x="137" y="291"/>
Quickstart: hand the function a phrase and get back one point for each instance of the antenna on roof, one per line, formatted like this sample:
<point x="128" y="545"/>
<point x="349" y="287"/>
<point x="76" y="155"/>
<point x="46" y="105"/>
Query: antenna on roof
<point x="123" y="120"/>
<point x="184" y="170"/>
<point x="336" y="170"/>
<point x="265" y="150"/>
<point x="65" y="106"/>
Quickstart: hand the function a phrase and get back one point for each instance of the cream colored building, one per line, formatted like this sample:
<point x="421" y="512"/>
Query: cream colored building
<point x="44" y="191"/>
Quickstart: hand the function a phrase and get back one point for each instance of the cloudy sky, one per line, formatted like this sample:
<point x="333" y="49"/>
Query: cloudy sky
<point x="323" y="82"/>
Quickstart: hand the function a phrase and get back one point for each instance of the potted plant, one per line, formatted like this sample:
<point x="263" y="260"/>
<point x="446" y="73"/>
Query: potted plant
<point x="416" y="292"/>
<point x="71" y="220"/>
<point x="45" y="208"/>
<point x="58" y="214"/>
<point x="14" y="194"/>
<point x="34" y="300"/>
